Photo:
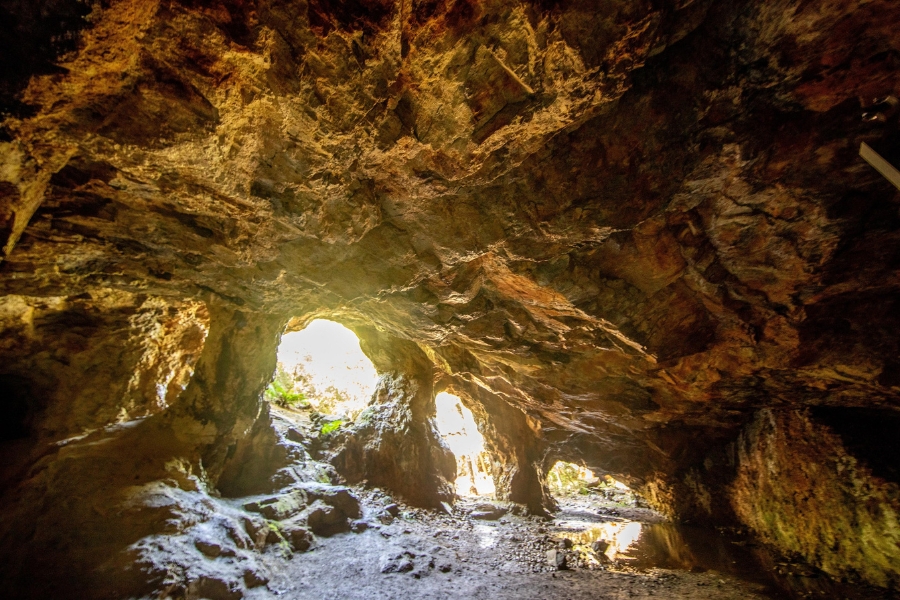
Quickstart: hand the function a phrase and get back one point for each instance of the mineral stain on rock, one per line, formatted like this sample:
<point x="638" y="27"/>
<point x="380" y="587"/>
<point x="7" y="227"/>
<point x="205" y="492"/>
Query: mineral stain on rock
<point x="633" y="236"/>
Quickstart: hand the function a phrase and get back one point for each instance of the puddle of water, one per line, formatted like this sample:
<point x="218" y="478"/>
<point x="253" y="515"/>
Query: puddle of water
<point x="487" y="535"/>
<point x="620" y="536"/>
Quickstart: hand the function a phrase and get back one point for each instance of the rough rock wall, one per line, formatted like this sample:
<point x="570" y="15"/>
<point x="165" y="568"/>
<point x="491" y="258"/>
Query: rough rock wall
<point x="818" y="484"/>
<point x="799" y="487"/>
<point x="660" y="236"/>
<point x="394" y="446"/>
<point x="115" y="512"/>
<point x="74" y="364"/>
<point x="394" y="443"/>
<point x="223" y="401"/>
<point x="252" y="465"/>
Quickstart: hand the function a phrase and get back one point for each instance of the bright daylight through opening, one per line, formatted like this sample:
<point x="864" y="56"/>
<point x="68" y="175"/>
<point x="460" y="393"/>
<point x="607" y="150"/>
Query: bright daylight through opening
<point x="323" y="367"/>
<point x="565" y="479"/>
<point x="458" y="429"/>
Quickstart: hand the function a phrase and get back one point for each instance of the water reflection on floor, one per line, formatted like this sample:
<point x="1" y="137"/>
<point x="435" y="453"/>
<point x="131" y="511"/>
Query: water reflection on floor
<point x="644" y="546"/>
<point x="619" y="535"/>
<point x="487" y="535"/>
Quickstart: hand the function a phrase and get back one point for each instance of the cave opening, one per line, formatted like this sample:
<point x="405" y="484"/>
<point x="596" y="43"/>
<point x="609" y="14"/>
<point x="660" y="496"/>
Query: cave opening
<point x="322" y="368"/>
<point x="458" y="430"/>
<point x="869" y="434"/>
<point x="565" y="479"/>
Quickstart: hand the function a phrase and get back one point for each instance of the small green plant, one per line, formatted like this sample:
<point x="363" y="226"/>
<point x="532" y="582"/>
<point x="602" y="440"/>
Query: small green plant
<point x="331" y="426"/>
<point x="322" y="477"/>
<point x="282" y="542"/>
<point x="281" y="391"/>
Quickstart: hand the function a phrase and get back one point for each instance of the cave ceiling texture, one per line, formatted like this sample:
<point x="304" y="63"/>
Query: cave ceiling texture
<point x="633" y="234"/>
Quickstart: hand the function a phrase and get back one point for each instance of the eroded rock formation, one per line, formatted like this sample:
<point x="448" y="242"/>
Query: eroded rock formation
<point x="394" y="443"/>
<point x="628" y="233"/>
<point x="831" y="507"/>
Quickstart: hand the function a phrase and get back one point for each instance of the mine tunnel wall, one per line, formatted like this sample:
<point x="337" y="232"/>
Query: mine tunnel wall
<point x="224" y="399"/>
<point x="86" y="361"/>
<point x="799" y="488"/>
<point x="805" y="487"/>
<point x="78" y="510"/>
<point x="630" y="232"/>
<point x="819" y="484"/>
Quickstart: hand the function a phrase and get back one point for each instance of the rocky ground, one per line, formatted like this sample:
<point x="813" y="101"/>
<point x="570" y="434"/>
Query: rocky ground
<point x="423" y="554"/>
<point x="428" y="555"/>
<point x="325" y="545"/>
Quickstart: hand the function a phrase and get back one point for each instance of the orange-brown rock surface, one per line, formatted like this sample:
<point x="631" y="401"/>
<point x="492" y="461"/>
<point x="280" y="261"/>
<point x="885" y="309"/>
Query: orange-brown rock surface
<point x="618" y="230"/>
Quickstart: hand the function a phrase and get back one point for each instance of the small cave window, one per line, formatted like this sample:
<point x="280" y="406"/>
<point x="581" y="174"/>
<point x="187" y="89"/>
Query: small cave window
<point x="459" y="431"/>
<point x="569" y="479"/>
<point x="323" y="368"/>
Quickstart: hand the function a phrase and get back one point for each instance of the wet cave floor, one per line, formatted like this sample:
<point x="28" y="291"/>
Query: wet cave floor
<point x="430" y="554"/>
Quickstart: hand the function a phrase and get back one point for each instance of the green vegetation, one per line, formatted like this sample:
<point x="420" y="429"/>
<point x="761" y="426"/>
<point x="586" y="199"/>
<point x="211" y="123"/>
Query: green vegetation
<point x="282" y="391"/>
<point x="331" y="426"/>
<point x="328" y="400"/>
<point x="282" y="542"/>
<point x="567" y="479"/>
<point x="323" y="477"/>
<point x="296" y="389"/>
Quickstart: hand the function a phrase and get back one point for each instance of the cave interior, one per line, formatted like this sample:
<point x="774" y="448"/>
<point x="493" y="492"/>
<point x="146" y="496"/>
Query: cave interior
<point x="634" y="237"/>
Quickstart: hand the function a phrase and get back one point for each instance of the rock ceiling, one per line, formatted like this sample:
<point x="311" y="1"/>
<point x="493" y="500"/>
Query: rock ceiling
<point x="635" y="221"/>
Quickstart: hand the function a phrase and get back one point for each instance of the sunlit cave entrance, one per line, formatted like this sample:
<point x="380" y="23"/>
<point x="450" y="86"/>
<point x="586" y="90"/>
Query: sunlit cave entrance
<point x="457" y="427"/>
<point x="567" y="479"/>
<point x="323" y="369"/>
